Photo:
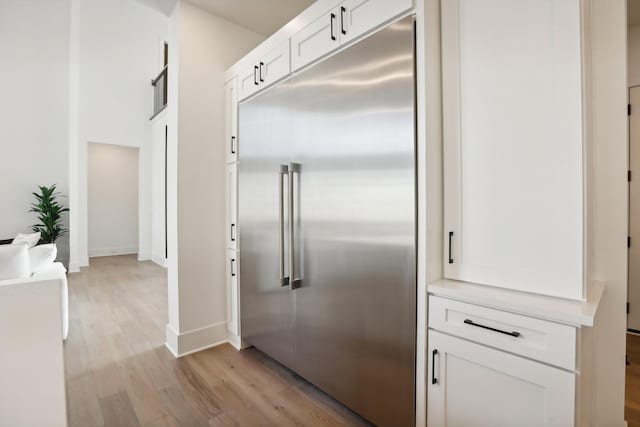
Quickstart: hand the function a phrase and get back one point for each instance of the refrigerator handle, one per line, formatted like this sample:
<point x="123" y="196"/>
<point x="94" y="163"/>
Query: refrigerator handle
<point x="293" y="281"/>
<point x="284" y="170"/>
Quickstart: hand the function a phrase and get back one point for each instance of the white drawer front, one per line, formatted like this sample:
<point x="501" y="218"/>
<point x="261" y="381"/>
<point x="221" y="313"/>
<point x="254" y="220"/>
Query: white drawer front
<point x="537" y="339"/>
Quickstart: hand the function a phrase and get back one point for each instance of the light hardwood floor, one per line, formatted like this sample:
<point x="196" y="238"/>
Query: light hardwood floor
<point x="120" y="374"/>
<point x="632" y="401"/>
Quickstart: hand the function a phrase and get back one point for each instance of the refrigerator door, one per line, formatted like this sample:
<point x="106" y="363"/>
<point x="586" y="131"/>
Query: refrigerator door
<point x="355" y="219"/>
<point x="266" y="308"/>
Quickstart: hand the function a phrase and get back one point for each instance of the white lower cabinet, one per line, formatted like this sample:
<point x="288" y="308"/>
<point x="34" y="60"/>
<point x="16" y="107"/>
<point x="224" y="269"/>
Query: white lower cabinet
<point x="474" y="385"/>
<point x="233" y="302"/>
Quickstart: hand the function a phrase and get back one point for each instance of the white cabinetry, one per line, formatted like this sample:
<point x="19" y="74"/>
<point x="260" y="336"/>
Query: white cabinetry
<point x="345" y="22"/>
<point x="231" y="213"/>
<point x="315" y="40"/>
<point x="232" y="268"/>
<point x="271" y="67"/>
<point x="513" y="145"/>
<point x="506" y="358"/>
<point x="474" y="385"/>
<point x="359" y="16"/>
<point x="231" y="120"/>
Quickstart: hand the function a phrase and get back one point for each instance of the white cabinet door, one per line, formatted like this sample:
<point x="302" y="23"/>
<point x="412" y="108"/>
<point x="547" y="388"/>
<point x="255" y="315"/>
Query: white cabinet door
<point x="359" y="16"/>
<point x="232" y="206"/>
<point x="233" y="323"/>
<point x="474" y="385"/>
<point x="513" y="145"/>
<point x="231" y="120"/>
<point x="248" y="82"/>
<point x="274" y="66"/>
<point x="316" y="39"/>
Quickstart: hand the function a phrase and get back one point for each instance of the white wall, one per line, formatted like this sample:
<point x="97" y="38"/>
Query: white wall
<point x="113" y="199"/>
<point x="633" y="50"/>
<point x="118" y="50"/>
<point x="34" y="87"/>
<point x="207" y="46"/>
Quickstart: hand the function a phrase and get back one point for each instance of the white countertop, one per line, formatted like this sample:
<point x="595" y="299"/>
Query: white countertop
<point x="575" y="313"/>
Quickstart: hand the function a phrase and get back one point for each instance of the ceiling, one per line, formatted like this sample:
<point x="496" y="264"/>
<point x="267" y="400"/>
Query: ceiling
<point x="261" y="16"/>
<point x="633" y="12"/>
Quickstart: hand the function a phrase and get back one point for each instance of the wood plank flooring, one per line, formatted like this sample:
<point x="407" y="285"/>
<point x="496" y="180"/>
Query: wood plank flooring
<point x="632" y="398"/>
<point x="119" y="373"/>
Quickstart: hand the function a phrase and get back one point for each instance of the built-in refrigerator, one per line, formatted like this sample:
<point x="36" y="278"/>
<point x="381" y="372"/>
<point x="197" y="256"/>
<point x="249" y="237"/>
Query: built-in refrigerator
<point x="327" y="214"/>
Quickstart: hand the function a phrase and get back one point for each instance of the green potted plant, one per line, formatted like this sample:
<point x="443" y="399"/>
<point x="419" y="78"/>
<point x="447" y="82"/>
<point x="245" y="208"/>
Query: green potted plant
<point x="49" y="212"/>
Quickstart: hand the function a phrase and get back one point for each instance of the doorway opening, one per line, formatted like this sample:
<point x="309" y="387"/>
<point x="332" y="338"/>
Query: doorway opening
<point x="112" y="190"/>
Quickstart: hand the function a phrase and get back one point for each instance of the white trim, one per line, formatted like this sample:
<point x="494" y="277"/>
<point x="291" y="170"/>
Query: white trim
<point x="124" y="250"/>
<point x="161" y="261"/>
<point x="182" y="344"/>
<point x="144" y="256"/>
<point x="235" y="340"/>
<point x="74" y="267"/>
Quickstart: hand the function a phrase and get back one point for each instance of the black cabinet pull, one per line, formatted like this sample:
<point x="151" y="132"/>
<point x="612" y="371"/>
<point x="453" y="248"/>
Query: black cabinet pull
<point x="255" y="75"/>
<point x="261" y="65"/>
<point x="450" y="237"/>
<point x="333" y="18"/>
<point x="434" y="353"/>
<point x="233" y="238"/>
<point x="233" y="273"/>
<point x="233" y="145"/>
<point x="472" y="323"/>
<point x="342" y="12"/>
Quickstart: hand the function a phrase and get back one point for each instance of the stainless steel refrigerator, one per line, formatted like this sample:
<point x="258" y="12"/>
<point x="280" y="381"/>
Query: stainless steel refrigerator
<point x="327" y="214"/>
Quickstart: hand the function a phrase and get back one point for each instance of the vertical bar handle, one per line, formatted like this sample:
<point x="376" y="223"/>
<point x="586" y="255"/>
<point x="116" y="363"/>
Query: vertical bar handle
<point x="450" y="238"/>
<point x="342" y="12"/>
<point x="255" y="75"/>
<point x="233" y="261"/>
<point x="434" y="353"/>
<point x="260" y="74"/>
<point x="233" y="145"/>
<point x="293" y="281"/>
<point x="333" y="18"/>
<point x="231" y="235"/>
<point x="282" y="171"/>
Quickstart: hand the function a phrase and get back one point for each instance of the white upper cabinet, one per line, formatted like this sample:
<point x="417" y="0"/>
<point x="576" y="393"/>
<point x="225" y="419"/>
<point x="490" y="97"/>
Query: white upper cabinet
<point x="269" y="69"/>
<point x="316" y="39"/>
<point x="274" y="65"/>
<point x="248" y="81"/>
<point x="348" y="20"/>
<point x="513" y="145"/>
<point x="359" y="16"/>
<point x="473" y="385"/>
<point x="231" y="120"/>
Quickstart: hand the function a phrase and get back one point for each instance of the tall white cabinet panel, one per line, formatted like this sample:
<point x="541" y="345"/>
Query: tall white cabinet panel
<point x="359" y="16"/>
<point x="474" y="385"/>
<point x="232" y="206"/>
<point x="231" y="120"/>
<point x="316" y="39"/>
<point x="513" y="145"/>
<point x="233" y="302"/>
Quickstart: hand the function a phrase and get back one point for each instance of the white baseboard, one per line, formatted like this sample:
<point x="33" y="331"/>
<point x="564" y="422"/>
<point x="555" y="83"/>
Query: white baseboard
<point x="144" y="256"/>
<point x="161" y="261"/>
<point x="234" y="340"/>
<point x="184" y="343"/>
<point x="125" y="250"/>
<point x="74" y="267"/>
